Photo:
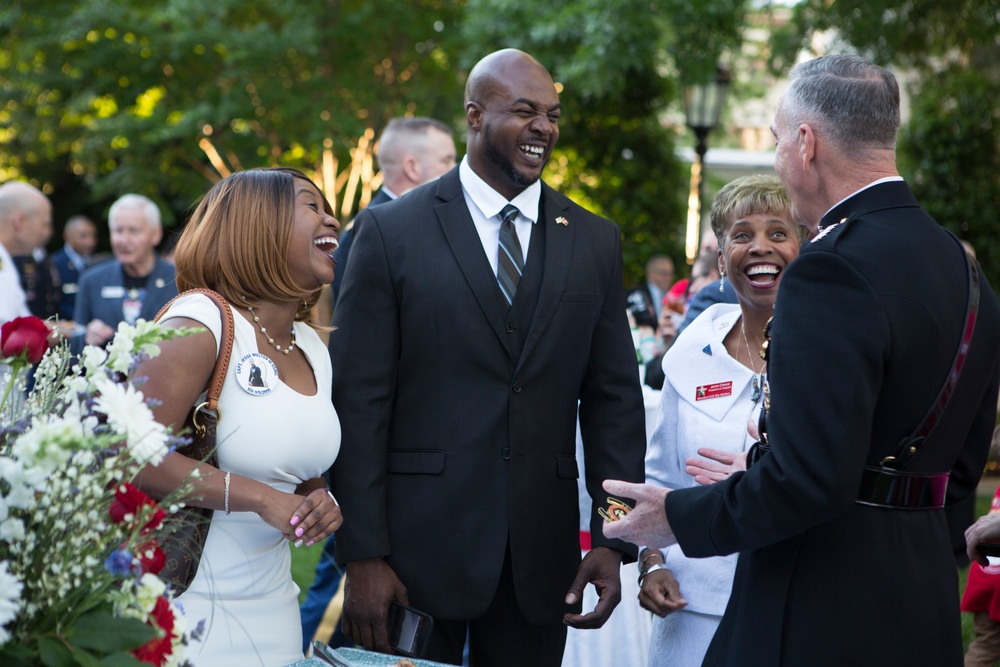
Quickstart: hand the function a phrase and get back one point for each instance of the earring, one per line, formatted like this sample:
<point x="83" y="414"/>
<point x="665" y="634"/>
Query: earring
<point x="722" y="284"/>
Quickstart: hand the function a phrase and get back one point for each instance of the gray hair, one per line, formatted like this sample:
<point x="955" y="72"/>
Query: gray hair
<point x="150" y="211"/>
<point x="853" y="101"/>
<point x="404" y="136"/>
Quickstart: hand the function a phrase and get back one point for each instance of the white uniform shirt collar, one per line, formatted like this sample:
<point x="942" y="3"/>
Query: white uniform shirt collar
<point x="389" y="193"/>
<point x="887" y="179"/>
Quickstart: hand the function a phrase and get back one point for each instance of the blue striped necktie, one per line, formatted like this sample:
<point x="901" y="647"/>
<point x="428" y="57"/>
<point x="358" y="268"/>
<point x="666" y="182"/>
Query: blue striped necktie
<point x="510" y="261"/>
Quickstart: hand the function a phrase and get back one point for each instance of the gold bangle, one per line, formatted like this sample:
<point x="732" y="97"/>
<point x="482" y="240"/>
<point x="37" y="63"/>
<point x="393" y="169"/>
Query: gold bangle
<point x="653" y="552"/>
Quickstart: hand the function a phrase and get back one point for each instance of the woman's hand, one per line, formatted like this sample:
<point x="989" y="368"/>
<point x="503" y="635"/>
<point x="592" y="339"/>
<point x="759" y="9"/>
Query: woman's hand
<point x="718" y="467"/>
<point x="303" y="520"/>
<point x="317" y="517"/>
<point x="661" y="594"/>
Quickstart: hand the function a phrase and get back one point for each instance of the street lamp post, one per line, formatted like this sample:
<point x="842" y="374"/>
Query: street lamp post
<point x="703" y="105"/>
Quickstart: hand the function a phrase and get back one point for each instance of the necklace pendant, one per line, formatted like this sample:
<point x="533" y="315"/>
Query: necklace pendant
<point x="755" y="388"/>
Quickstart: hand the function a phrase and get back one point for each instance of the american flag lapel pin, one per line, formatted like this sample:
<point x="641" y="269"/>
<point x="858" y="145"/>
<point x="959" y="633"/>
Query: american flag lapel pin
<point x="562" y="221"/>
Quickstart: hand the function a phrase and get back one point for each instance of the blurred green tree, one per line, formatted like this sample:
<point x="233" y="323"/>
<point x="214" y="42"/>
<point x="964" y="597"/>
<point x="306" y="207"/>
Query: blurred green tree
<point x="948" y="57"/>
<point x="163" y="98"/>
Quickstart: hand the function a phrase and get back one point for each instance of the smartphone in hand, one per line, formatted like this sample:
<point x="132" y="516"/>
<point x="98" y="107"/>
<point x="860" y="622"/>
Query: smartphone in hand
<point x="409" y="630"/>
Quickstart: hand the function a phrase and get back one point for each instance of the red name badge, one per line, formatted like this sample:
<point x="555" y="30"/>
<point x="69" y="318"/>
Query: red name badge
<point x="713" y="390"/>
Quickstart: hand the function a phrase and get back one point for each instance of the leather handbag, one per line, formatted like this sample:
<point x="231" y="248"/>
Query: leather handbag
<point x="187" y="529"/>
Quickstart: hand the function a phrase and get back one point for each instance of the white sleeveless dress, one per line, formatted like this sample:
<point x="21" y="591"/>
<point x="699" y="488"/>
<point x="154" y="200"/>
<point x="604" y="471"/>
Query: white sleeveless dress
<point x="244" y="590"/>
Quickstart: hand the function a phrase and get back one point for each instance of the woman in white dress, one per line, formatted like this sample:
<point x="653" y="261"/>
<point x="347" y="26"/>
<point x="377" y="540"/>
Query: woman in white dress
<point x="263" y="239"/>
<point x="713" y="389"/>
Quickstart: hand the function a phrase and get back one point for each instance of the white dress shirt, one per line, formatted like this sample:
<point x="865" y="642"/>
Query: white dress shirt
<point x="13" y="302"/>
<point x="485" y="204"/>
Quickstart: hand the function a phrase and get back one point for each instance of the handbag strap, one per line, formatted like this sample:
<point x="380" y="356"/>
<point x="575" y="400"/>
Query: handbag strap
<point x="225" y="345"/>
<point x="909" y="446"/>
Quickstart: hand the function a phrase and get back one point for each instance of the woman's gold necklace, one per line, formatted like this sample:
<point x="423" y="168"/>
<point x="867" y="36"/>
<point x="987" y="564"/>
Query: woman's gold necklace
<point x="290" y="347"/>
<point x="757" y="381"/>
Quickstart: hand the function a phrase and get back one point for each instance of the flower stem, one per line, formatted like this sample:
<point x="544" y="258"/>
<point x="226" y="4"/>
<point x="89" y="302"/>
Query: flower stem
<point x="15" y="367"/>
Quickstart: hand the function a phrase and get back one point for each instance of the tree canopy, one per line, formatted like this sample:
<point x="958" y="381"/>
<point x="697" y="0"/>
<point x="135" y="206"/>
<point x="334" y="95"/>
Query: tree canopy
<point x="948" y="57"/>
<point x="163" y="98"/>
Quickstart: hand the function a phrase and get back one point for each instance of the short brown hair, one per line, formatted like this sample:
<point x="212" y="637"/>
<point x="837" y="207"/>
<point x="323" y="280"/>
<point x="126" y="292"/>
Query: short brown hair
<point x="757" y="193"/>
<point x="236" y="241"/>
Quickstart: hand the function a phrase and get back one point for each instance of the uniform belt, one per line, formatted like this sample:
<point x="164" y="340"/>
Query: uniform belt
<point x="882" y="487"/>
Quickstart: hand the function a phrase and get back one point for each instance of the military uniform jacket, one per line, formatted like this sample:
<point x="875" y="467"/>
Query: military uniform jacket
<point x="866" y="326"/>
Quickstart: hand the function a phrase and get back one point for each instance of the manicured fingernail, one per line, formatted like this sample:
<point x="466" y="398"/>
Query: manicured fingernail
<point x="310" y="543"/>
<point x="571" y="598"/>
<point x="294" y="520"/>
<point x="298" y="532"/>
<point x="298" y="543"/>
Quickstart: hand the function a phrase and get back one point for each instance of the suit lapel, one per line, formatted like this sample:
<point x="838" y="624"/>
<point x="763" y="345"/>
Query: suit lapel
<point x="559" y="237"/>
<point x="463" y="239"/>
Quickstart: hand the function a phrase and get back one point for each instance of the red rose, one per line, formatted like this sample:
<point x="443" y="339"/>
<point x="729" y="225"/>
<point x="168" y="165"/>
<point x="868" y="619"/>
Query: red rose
<point x="130" y="502"/>
<point x="24" y="335"/>
<point x="158" y="649"/>
<point x="151" y="557"/>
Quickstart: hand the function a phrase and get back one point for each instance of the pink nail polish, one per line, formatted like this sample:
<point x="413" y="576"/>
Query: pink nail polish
<point x="294" y="520"/>
<point x="310" y="543"/>
<point x="298" y="532"/>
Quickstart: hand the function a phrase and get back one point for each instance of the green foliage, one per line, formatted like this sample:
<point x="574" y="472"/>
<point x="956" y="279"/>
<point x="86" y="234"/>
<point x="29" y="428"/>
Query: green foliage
<point x="951" y="151"/>
<point x="948" y="56"/>
<point x="161" y="98"/>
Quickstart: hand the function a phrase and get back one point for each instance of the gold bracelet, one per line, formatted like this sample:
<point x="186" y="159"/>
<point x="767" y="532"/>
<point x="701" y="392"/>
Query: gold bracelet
<point x="653" y="552"/>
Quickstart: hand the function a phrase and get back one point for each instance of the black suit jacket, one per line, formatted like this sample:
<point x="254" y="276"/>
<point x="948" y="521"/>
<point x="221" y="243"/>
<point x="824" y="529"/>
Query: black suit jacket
<point x="454" y="445"/>
<point x="343" y="251"/>
<point x="866" y="326"/>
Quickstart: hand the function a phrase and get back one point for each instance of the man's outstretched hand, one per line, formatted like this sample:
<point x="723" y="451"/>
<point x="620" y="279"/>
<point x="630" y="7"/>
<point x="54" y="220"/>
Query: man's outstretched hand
<point x="646" y="524"/>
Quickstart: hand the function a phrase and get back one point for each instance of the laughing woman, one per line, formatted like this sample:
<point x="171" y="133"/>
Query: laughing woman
<point x="263" y="239"/>
<point x="713" y="388"/>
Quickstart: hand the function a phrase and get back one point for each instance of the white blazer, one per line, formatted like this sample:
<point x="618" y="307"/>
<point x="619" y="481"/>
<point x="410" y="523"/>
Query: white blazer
<point x="706" y="402"/>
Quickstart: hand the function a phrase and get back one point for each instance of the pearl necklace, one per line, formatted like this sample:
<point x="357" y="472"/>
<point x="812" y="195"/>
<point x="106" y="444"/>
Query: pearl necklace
<point x="269" y="339"/>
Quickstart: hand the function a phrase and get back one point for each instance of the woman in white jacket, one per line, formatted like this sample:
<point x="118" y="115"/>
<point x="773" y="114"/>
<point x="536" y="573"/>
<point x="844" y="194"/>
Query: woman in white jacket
<point x="713" y="390"/>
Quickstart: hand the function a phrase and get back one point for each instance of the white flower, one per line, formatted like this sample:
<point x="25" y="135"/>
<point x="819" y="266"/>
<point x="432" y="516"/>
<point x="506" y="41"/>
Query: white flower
<point x="10" y="600"/>
<point x="12" y="529"/>
<point x="148" y="591"/>
<point x="130" y="417"/>
<point x="45" y="448"/>
<point x="92" y="359"/>
<point x="120" y="349"/>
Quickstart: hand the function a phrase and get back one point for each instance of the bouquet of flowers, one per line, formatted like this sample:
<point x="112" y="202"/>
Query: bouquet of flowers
<point x="78" y="541"/>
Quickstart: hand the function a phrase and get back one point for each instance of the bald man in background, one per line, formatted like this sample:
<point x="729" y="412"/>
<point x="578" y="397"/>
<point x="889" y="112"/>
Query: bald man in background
<point x="410" y="152"/>
<point x="25" y="224"/>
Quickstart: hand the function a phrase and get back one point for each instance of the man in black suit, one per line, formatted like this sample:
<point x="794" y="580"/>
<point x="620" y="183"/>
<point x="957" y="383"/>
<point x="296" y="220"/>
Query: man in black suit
<point x="80" y="235"/>
<point x="844" y="550"/>
<point x="457" y="380"/>
<point x="410" y="152"/>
